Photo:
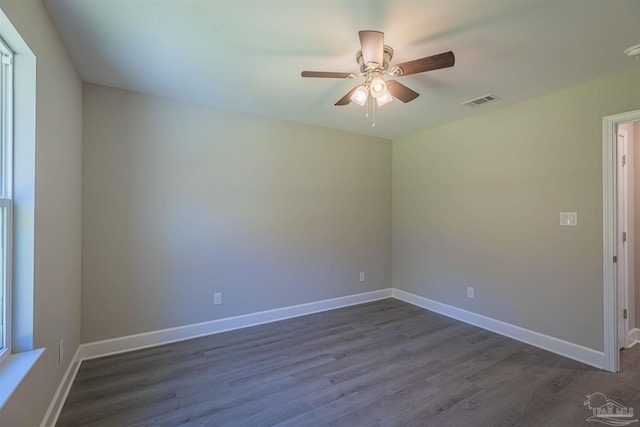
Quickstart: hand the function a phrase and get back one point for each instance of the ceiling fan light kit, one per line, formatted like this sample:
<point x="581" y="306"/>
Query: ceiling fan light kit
<point x="374" y="58"/>
<point x="383" y="99"/>
<point x="378" y="87"/>
<point x="360" y="95"/>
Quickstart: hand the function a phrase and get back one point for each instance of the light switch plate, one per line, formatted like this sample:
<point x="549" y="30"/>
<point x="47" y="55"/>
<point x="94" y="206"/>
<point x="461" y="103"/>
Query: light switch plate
<point x="569" y="219"/>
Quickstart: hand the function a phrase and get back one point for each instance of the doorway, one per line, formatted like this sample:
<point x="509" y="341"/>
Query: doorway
<point x="628" y="195"/>
<point x="618" y="228"/>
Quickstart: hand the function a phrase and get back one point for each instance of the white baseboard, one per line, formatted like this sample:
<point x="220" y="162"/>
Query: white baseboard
<point x="555" y="345"/>
<point x="166" y="336"/>
<point x="57" y="402"/>
<point x="634" y="337"/>
<point x="151" y="339"/>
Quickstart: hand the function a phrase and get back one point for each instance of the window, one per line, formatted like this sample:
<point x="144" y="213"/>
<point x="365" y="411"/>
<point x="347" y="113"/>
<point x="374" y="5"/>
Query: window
<point x="17" y="201"/>
<point x="6" y="225"/>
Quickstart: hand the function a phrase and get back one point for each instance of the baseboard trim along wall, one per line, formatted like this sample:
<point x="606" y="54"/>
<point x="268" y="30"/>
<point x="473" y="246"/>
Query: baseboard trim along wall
<point x="634" y="337"/>
<point x="165" y="336"/>
<point x="57" y="402"/>
<point x="555" y="345"/>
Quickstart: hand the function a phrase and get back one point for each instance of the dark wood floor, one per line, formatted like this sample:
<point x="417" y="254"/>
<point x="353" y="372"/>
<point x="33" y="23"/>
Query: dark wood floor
<point x="385" y="363"/>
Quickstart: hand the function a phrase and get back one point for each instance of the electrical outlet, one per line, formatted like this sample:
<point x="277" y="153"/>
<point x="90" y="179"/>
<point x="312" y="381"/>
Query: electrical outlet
<point x="471" y="293"/>
<point x="61" y="351"/>
<point x="217" y="298"/>
<point x="362" y="276"/>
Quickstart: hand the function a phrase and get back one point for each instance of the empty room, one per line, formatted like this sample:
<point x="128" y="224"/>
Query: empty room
<point x="319" y="213"/>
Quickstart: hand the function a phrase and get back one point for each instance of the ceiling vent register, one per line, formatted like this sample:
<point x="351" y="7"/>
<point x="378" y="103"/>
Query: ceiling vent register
<point x="480" y="101"/>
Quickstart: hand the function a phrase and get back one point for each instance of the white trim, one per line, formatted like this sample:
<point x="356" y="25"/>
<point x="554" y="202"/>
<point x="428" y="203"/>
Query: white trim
<point x="57" y="402"/>
<point x="622" y="204"/>
<point x="14" y="369"/>
<point x="166" y="336"/>
<point x="151" y="339"/>
<point x="6" y="192"/>
<point x="609" y="123"/>
<point x="555" y="345"/>
<point x="634" y="337"/>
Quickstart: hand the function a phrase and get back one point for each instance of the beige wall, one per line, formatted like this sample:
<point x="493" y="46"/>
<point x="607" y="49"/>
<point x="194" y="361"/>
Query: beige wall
<point x="181" y="201"/>
<point x="58" y="210"/>
<point x="476" y="203"/>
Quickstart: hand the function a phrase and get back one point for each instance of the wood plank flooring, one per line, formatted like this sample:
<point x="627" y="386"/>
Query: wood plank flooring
<point x="385" y="363"/>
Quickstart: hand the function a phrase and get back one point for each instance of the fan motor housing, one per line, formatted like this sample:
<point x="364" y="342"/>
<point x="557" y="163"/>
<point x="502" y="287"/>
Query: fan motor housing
<point x="387" y="54"/>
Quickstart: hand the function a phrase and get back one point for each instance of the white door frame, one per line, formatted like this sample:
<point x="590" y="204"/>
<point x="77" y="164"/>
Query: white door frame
<point x="609" y="224"/>
<point x="624" y="264"/>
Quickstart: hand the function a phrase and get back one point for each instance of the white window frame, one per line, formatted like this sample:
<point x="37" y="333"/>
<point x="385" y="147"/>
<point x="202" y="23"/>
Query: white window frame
<point x="6" y="194"/>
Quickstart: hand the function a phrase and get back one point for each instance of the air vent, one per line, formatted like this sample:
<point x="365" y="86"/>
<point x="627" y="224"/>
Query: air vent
<point x="479" y="101"/>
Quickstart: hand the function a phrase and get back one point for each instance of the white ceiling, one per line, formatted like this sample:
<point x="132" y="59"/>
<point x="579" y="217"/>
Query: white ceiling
<point x="247" y="55"/>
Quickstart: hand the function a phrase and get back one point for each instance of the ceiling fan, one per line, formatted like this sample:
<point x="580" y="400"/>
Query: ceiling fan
<point x="373" y="59"/>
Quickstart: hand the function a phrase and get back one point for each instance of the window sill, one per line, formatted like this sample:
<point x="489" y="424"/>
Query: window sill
<point x="14" y="370"/>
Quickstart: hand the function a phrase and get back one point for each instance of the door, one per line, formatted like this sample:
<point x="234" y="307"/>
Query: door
<point x="622" y="237"/>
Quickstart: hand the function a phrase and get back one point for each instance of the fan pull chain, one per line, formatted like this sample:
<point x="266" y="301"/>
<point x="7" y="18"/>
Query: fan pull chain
<point x="373" y="111"/>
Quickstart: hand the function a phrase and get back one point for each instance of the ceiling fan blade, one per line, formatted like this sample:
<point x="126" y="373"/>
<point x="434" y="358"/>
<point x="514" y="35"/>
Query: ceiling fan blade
<point x="345" y="100"/>
<point x="325" y="74"/>
<point x="434" y="62"/>
<point x="401" y="92"/>
<point x="372" y="44"/>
